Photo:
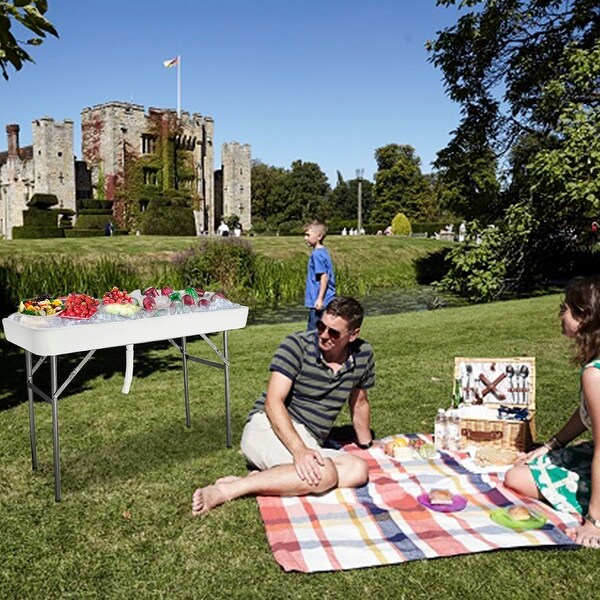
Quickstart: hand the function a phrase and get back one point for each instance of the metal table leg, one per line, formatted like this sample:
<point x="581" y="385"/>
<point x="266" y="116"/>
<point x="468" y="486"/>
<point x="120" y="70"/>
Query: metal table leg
<point x="186" y="391"/>
<point x="32" y="434"/>
<point x="227" y="402"/>
<point x="55" y="441"/>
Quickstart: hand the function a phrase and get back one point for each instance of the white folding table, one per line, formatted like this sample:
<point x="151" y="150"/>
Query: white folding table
<point x="45" y="339"/>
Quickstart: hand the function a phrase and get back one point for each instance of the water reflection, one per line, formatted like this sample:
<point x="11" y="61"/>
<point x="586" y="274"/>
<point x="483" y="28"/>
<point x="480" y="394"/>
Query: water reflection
<point x="378" y="302"/>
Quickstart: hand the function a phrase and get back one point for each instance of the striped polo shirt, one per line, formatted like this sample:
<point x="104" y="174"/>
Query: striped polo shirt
<point x="318" y="394"/>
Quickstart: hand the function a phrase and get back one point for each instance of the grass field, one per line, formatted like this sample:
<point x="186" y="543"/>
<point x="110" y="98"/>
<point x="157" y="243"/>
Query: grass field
<point x="380" y="261"/>
<point x="134" y="453"/>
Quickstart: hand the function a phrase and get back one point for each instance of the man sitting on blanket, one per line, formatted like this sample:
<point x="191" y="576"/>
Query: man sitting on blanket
<point x="313" y="374"/>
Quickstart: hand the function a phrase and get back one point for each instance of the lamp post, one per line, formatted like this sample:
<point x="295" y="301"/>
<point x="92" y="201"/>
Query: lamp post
<point x="359" y="176"/>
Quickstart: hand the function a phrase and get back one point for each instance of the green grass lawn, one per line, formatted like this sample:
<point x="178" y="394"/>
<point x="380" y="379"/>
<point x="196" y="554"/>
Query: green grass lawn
<point x="134" y="453"/>
<point x="380" y="260"/>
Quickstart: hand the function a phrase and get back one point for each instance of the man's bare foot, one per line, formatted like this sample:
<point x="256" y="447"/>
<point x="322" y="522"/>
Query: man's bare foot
<point x="205" y="499"/>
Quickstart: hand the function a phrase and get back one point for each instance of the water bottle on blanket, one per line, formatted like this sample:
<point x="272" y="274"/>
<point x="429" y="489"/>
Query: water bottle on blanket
<point x="452" y="430"/>
<point x="440" y="430"/>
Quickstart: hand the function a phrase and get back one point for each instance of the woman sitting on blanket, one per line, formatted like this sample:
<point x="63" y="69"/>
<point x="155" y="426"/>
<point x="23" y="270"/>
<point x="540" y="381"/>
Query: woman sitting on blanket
<point x="569" y="477"/>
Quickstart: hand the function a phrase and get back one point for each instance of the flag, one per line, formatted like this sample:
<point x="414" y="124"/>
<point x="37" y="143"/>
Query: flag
<point x="171" y="63"/>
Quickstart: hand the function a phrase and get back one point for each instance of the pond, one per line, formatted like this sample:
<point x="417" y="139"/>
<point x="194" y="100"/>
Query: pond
<point x="378" y="302"/>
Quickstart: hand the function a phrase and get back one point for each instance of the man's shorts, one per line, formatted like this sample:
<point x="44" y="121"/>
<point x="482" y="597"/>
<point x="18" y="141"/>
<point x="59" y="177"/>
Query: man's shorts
<point x="263" y="449"/>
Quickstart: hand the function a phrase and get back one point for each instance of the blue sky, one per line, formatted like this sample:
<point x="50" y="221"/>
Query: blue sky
<point x="325" y="81"/>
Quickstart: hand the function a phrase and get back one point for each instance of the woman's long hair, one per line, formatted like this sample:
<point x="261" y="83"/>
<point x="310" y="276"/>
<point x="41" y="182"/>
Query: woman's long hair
<point x="582" y="295"/>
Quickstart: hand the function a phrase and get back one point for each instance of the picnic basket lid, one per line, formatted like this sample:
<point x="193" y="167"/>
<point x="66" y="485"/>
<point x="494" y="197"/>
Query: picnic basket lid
<point x="495" y="382"/>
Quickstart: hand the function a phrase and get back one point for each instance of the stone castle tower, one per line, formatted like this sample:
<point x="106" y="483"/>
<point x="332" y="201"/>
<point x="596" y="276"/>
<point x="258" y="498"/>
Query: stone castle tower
<point x="45" y="167"/>
<point x="235" y="182"/>
<point x="115" y="130"/>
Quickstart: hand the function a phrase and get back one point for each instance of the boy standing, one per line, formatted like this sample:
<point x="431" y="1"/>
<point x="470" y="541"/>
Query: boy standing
<point x="320" y="277"/>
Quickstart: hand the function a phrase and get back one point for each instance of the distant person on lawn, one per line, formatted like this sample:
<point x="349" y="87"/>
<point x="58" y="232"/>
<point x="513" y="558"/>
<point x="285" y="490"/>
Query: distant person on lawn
<point x="313" y="374"/>
<point x="568" y="476"/>
<point x="320" y="276"/>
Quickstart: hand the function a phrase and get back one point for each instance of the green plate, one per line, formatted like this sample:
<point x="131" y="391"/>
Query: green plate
<point x="501" y="517"/>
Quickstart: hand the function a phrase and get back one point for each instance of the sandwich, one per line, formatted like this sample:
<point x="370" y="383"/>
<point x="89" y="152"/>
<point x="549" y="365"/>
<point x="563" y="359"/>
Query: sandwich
<point x="441" y="497"/>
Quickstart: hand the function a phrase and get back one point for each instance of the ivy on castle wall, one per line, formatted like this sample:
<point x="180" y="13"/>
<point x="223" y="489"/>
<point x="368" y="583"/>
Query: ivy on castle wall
<point x="171" y="171"/>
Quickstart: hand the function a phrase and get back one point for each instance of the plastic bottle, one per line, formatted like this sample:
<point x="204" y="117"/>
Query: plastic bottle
<point x="439" y="430"/>
<point x="453" y="430"/>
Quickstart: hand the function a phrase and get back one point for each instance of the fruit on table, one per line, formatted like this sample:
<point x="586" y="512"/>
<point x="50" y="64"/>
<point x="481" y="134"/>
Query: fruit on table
<point x="117" y="296"/>
<point x="80" y="305"/>
<point x="42" y="306"/>
<point x="122" y="309"/>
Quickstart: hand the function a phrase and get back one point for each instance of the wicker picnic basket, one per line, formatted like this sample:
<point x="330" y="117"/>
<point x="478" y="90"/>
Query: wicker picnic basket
<point x="495" y="382"/>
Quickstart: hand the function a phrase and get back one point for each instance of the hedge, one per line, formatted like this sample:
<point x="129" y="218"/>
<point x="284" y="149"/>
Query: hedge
<point x="88" y="203"/>
<point x="94" y="211"/>
<point x="167" y="220"/>
<point x="92" y="221"/>
<point x="32" y="233"/>
<point x="43" y="201"/>
<point x="35" y="217"/>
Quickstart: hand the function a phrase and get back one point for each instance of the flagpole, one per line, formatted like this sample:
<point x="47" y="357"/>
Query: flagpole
<point x="179" y="87"/>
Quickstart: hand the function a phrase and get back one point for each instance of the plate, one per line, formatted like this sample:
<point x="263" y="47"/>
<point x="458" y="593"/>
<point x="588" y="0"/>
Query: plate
<point x="501" y="517"/>
<point x="75" y="317"/>
<point x="458" y="503"/>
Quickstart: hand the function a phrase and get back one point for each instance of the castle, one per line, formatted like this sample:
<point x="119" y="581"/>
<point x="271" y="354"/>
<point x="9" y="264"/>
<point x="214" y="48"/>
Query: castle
<point x="112" y="134"/>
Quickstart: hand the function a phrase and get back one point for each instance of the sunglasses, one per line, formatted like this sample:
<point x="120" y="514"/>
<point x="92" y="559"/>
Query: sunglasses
<point x="334" y="334"/>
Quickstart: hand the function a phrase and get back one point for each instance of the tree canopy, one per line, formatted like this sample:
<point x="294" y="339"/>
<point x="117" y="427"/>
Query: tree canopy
<point x="29" y="14"/>
<point x="400" y="186"/>
<point x="527" y="76"/>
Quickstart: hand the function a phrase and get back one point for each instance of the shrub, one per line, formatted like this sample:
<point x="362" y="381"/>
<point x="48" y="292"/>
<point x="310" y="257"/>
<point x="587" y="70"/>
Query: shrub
<point x="32" y="233"/>
<point x="43" y="201"/>
<point x="86" y="221"/>
<point x="167" y="220"/>
<point x="224" y="263"/>
<point x="36" y="217"/>
<point x="401" y="225"/>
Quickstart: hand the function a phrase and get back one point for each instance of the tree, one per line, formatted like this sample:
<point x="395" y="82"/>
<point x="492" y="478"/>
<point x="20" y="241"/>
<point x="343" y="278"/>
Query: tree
<point x="342" y="207"/>
<point x="527" y="76"/>
<point x="30" y="15"/>
<point x="306" y="192"/>
<point x="400" y="186"/>
<point x="499" y="62"/>
<point x="268" y="192"/>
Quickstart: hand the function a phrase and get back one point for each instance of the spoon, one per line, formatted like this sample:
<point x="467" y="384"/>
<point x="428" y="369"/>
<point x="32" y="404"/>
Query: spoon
<point x="524" y="374"/>
<point x="510" y="371"/>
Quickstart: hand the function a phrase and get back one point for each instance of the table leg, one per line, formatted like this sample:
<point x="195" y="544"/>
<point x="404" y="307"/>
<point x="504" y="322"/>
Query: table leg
<point x="32" y="434"/>
<point x="186" y="390"/>
<point x="128" y="369"/>
<point x="227" y="402"/>
<point x="55" y="441"/>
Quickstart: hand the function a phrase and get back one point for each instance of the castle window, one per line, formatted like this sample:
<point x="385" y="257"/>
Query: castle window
<point x="150" y="177"/>
<point x="148" y="143"/>
<point x="59" y="154"/>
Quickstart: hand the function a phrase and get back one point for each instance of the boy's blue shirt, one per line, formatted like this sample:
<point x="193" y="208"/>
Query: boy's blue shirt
<point x="319" y="262"/>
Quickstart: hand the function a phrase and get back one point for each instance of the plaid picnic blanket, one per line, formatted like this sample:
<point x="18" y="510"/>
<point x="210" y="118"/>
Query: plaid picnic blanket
<point x="383" y="522"/>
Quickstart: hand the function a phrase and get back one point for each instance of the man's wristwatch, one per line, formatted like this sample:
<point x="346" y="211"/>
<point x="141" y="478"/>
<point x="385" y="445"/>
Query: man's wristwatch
<point x="364" y="446"/>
